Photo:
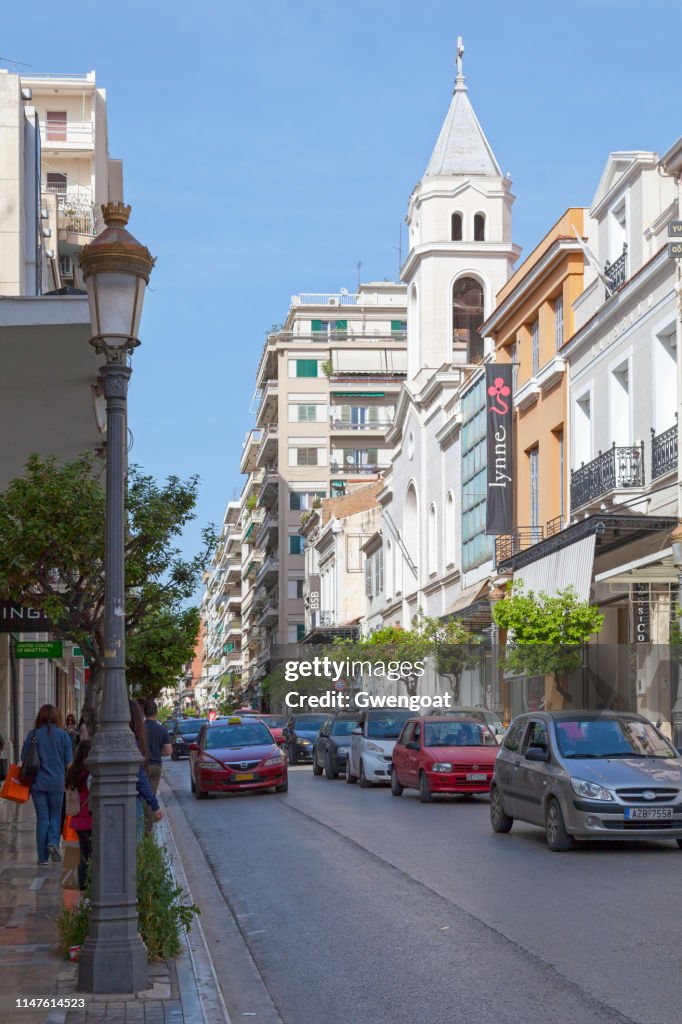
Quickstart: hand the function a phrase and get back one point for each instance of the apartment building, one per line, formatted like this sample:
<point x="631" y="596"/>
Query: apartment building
<point x="327" y="386"/>
<point x="221" y="612"/>
<point x="54" y="161"/>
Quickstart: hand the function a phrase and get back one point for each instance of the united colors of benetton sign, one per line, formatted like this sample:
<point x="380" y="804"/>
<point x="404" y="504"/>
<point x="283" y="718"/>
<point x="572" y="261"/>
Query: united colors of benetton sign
<point x="499" y="504"/>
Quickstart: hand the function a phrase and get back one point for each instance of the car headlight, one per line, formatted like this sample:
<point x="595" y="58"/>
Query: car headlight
<point x="178" y="739"/>
<point x="275" y="759"/>
<point x="303" y="743"/>
<point x="591" y="790"/>
<point x="374" y="748"/>
<point x="211" y="765"/>
<point x="441" y="766"/>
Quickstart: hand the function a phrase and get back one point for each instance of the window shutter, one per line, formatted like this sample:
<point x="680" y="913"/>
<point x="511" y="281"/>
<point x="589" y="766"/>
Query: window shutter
<point x="306" y="367"/>
<point x="345" y="414"/>
<point x="374" y="414"/>
<point x="318" y="326"/>
<point x="372" y="456"/>
<point x="368" y="577"/>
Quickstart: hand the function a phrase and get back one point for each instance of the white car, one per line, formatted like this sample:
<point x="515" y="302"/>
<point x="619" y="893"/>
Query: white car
<point x="371" y="747"/>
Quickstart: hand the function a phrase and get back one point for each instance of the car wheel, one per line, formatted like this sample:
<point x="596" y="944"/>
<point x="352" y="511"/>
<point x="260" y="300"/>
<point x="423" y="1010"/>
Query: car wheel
<point x="364" y="781"/>
<point x="396" y="788"/>
<point x="556" y="835"/>
<point x="174" y="756"/>
<point x="329" y="768"/>
<point x="424" y="791"/>
<point x="350" y="779"/>
<point x="317" y="770"/>
<point x="293" y="756"/>
<point x="283" y="788"/>
<point x="199" y="793"/>
<point x="500" y="821"/>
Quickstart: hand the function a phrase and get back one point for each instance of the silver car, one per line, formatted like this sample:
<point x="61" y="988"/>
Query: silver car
<point x="587" y="775"/>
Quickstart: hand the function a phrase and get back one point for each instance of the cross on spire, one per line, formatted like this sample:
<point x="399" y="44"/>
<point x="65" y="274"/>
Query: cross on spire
<point x="459" y="81"/>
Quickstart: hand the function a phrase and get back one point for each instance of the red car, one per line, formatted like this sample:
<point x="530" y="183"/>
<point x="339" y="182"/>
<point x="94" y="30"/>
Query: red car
<point x="275" y="724"/>
<point x="443" y="755"/>
<point x="235" y="754"/>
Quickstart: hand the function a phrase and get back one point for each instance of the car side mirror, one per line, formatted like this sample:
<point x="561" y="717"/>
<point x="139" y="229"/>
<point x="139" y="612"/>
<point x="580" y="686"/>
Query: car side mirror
<point x="194" y="746"/>
<point x="537" y="754"/>
<point x="357" y="731"/>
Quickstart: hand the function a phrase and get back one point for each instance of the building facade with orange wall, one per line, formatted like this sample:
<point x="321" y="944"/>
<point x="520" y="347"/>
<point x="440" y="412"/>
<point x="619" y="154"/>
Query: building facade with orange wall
<point x="532" y="318"/>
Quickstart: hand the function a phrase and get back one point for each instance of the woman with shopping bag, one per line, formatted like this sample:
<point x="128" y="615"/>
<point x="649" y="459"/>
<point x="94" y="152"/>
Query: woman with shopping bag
<point x="80" y="817"/>
<point x="54" y="754"/>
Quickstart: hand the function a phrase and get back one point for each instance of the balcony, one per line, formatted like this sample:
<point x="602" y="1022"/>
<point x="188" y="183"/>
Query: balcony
<point x="269" y="613"/>
<point x="267" y="409"/>
<point x="267" y="452"/>
<point x="251" y="565"/>
<point x="616" y="273"/>
<point x="267" y="494"/>
<point x="619" y="468"/>
<point x="342" y="426"/>
<point x="663" y="452"/>
<point x="249" y="452"/>
<point x="67" y="134"/>
<point x="509" y="544"/>
<point x="354" y="468"/>
<point x="267" y="533"/>
<point x="325" y="299"/>
<point x="268" y="571"/>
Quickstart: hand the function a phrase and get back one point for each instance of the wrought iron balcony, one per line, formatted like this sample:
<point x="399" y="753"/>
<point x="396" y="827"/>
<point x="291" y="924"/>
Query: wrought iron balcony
<point x="619" y="467"/>
<point x="663" y="451"/>
<point x="509" y="544"/>
<point x="554" y="526"/>
<point x="616" y="273"/>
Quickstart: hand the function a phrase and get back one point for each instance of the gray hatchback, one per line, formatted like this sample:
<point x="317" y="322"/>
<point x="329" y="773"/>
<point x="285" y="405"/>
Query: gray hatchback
<point x="588" y="775"/>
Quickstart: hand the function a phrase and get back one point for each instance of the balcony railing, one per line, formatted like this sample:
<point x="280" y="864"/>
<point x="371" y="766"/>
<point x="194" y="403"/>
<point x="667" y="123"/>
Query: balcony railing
<point x="619" y="467"/>
<point x="326" y="299"/>
<point x="554" y="526"/>
<point x="509" y="544"/>
<point x="616" y="273"/>
<point x="351" y="469"/>
<point x="343" y="425"/>
<point x="70" y="133"/>
<point x="663" y="452"/>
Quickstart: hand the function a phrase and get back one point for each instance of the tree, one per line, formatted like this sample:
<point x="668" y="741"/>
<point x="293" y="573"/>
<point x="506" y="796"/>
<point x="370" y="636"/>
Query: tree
<point x="157" y="650"/>
<point x="545" y="632"/>
<point x="455" y="649"/>
<point x="52" y="539"/>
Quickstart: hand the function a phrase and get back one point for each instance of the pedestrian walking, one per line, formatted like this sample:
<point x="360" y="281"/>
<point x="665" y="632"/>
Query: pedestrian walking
<point x="145" y="793"/>
<point x="77" y="778"/>
<point x="158" y="746"/>
<point x="47" y="789"/>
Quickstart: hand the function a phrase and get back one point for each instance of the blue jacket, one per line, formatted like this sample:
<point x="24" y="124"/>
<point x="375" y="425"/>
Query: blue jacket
<point x="145" y="790"/>
<point x="56" y="754"/>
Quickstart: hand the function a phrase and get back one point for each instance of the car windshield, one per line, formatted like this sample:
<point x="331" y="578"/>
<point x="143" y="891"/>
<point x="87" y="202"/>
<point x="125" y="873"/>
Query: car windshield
<point x="308" y="723"/>
<point x="457" y="734"/>
<point x="246" y="734"/>
<point x="610" y="737"/>
<point x="274" y="721"/>
<point x="193" y="725"/>
<point x="344" y="726"/>
<point x="387" y="727"/>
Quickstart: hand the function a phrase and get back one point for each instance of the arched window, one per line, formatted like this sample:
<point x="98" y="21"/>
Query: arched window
<point x="456" y="231"/>
<point x="467" y="317"/>
<point x="479" y="227"/>
<point x="450" y="529"/>
<point x="389" y="569"/>
<point x="433" y="539"/>
<point x="411" y="537"/>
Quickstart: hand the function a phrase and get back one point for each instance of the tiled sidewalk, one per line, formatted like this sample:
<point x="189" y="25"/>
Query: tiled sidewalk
<point x="30" y="966"/>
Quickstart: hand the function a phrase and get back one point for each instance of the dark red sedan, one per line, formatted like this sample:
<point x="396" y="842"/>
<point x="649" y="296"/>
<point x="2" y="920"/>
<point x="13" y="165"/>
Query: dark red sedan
<point x="443" y="755"/>
<point x="275" y="724"/>
<point x="235" y="754"/>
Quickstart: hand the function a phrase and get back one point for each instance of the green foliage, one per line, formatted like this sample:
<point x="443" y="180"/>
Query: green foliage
<point x="52" y="535"/>
<point x="251" y="502"/>
<point x="156" y="652"/>
<point x="454" y="649"/>
<point x="327" y="367"/>
<point x="162" y="909"/>
<point x="546" y="632"/>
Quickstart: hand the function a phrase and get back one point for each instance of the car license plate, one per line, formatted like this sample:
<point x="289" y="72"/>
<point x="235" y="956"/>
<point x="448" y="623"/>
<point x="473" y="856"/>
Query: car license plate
<point x="648" y="813"/>
<point x="476" y="777"/>
<point x="244" y="777"/>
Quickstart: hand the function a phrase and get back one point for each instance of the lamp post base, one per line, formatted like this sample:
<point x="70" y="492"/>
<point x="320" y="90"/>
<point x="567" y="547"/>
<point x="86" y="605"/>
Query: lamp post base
<point x="113" y="967"/>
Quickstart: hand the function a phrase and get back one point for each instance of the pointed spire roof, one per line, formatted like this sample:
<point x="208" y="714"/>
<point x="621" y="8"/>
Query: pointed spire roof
<point x="462" y="149"/>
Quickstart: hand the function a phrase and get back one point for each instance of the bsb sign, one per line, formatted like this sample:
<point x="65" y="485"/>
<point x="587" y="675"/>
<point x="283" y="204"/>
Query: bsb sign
<point x="499" y="506"/>
<point x="16" y="619"/>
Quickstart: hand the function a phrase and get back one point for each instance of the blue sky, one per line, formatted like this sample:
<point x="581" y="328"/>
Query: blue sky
<point x="269" y="145"/>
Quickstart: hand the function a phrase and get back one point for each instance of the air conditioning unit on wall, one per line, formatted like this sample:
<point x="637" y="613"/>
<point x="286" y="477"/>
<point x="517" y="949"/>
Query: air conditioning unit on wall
<point x="333" y="301"/>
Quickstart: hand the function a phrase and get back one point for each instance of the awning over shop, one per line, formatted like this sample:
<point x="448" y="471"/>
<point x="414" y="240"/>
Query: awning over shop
<point x="468" y="597"/>
<point x="654" y="568"/>
<point x="568" y="567"/>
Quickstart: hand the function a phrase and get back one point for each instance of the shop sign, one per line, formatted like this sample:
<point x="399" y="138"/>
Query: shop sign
<point x="16" y="618"/>
<point x="38" y="649"/>
<point x="641" y="612"/>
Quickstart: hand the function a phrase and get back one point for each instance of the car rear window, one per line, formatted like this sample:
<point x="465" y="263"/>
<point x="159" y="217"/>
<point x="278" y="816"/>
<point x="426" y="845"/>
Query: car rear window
<point x="191" y="725"/>
<point x="274" y="721"/>
<point x="457" y="734"/>
<point x="308" y="723"/>
<point x="246" y="734"/>
<point x="344" y="726"/>
<point x="387" y="726"/>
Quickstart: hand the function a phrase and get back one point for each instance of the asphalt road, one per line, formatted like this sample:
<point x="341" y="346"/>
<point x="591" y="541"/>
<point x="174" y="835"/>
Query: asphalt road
<point x="360" y="908"/>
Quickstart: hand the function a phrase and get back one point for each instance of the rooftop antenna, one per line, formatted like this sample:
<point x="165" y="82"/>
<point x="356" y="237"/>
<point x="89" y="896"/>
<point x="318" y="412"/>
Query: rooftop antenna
<point x="359" y="267"/>
<point x="399" y="248"/>
<point x="11" y="60"/>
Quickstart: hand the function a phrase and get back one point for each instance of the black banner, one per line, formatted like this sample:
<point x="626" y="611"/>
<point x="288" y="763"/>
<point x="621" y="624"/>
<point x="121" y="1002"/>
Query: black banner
<point x="499" y="516"/>
<point x="15" y="619"/>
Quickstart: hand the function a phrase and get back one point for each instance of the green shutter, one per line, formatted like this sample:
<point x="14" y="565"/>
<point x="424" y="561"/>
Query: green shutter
<point x="300" y="631"/>
<point x="372" y="456"/>
<point x="318" y="326"/>
<point x="398" y="326"/>
<point x="306" y="367"/>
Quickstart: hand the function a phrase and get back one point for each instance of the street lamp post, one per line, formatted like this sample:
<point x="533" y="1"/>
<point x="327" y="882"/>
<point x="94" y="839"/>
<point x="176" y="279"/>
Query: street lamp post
<point x="116" y="270"/>
<point x="676" y="714"/>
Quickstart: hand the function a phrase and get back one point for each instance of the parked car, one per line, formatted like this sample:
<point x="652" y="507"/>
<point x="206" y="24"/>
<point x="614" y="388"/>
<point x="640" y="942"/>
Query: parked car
<point x="588" y="775"/>
<point x="330" y="749"/>
<point x="443" y="755"/>
<point x="185" y="732"/>
<point x="489" y="718"/>
<point x="299" y="734"/>
<point x="371" y="750"/>
<point x="275" y="724"/>
<point x="236" y="754"/>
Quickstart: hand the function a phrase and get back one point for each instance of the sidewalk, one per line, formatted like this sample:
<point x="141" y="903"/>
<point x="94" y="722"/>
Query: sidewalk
<point x="183" y="991"/>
